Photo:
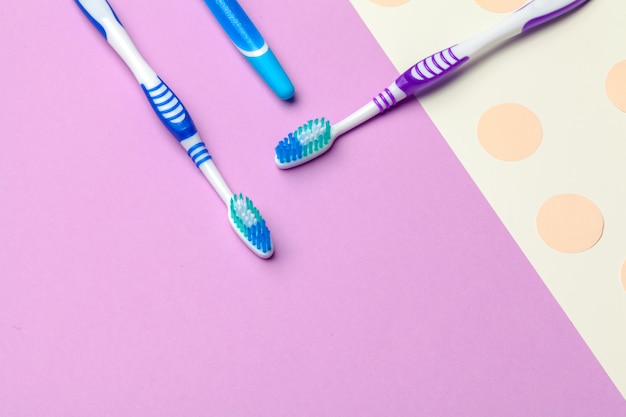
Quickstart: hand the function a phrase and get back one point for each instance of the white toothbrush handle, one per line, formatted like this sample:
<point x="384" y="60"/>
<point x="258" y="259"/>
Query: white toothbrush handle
<point x="104" y="19"/>
<point x="529" y="16"/>
<point x="164" y="102"/>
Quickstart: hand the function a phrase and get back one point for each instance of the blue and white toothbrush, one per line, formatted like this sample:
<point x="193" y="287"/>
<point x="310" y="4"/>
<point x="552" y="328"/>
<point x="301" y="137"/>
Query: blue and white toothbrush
<point x="317" y="136"/>
<point x="244" y="217"/>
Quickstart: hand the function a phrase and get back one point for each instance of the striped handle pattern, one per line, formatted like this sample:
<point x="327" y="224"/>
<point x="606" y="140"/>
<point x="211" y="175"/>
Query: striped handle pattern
<point x="429" y="70"/>
<point x="385" y="100"/>
<point x="199" y="153"/>
<point x="170" y="110"/>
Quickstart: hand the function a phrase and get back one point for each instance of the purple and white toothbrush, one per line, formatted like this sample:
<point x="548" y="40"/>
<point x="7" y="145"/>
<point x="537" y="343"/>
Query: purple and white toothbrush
<point x="317" y="136"/>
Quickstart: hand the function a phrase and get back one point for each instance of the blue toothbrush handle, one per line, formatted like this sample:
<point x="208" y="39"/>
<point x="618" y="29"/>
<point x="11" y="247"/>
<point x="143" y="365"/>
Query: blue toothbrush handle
<point x="170" y="110"/>
<point x="236" y="24"/>
<point x="167" y="106"/>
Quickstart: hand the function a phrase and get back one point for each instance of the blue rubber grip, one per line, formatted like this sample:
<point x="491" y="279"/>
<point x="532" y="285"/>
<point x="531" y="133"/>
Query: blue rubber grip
<point x="171" y="111"/>
<point x="237" y="24"/>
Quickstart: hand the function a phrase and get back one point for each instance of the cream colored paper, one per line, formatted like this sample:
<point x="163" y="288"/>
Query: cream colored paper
<point x="559" y="73"/>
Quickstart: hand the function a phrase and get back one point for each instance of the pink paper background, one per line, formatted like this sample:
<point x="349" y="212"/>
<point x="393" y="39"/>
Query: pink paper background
<point x="394" y="290"/>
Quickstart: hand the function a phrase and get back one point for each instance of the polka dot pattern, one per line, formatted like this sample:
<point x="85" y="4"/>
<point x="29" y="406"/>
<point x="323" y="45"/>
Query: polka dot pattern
<point x="570" y="223"/>
<point x="509" y="132"/>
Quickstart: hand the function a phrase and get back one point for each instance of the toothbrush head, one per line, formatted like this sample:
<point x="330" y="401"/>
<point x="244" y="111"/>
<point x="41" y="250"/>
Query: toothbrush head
<point x="250" y="226"/>
<point x="307" y="142"/>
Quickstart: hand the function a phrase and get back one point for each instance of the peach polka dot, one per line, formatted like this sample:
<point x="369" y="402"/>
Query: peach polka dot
<point x="615" y="85"/>
<point x="389" y="3"/>
<point x="570" y="223"/>
<point x="500" y="6"/>
<point x="509" y="132"/>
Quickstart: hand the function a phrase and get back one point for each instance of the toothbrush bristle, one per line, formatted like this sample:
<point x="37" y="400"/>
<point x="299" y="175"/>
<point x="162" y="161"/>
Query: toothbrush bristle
<point x="307" y="142"/>
<point x="250" y="225"/>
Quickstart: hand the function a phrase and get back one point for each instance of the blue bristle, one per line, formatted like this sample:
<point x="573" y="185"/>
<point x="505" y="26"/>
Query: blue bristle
<point x="291" y="148"/>
<point x="258" y="235"/>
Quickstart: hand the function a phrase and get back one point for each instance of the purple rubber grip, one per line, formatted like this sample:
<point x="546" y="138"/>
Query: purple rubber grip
<point x="428" y="71"/>
<point x="543" y="19"/>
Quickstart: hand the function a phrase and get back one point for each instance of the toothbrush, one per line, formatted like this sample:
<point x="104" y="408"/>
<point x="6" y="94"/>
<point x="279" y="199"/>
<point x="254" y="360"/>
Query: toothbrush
<point x="249" y="41"/>
<point x="317" y="136"/>
<point x="243" y="216"/>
